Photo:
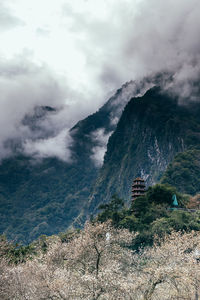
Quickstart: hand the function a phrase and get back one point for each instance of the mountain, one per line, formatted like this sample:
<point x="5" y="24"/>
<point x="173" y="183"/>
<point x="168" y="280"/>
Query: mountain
<point x="142" y="132"/>
<point x="45" y="196"/>
<point x="151" y="131"/>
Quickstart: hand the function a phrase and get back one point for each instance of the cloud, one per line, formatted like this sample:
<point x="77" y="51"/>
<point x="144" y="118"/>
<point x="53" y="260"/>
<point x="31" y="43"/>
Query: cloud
<point x="24" y="88"/>
<point x="27" y="91"/>
<point x="57" y="146"/>
<point x="98" y="46"/>
<point x="100" y="138"/>
<point x="124" y="40"/>
<point x="7" y="19"/>
<point x="129" y="90"/>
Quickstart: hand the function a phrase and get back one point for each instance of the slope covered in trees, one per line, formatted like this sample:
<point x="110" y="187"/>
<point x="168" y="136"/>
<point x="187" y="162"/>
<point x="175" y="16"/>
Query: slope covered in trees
<point x="151" y="215"/>
<point x="183" y="172"/>
<point x="151" y="131"/>
<point x="45" y="196"/>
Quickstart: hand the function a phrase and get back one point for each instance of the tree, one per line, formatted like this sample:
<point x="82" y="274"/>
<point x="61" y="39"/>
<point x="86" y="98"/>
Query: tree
<point x="114" y="210"/>
<point x="98" y="264"/>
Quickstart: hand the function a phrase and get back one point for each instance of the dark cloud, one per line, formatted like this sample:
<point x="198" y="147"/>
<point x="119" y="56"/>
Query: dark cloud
<point x="133" y="39"/>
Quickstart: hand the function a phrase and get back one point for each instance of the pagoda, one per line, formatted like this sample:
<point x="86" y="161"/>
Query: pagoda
<point x="138" y="188"/>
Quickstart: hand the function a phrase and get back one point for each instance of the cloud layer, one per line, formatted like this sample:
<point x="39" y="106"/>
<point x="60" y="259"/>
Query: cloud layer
<point x="131" y="39"/>
<point x="78" y="53"/>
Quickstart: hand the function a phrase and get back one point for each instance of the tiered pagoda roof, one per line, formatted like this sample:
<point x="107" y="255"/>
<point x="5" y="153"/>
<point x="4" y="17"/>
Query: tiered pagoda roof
<point x="138" y="188"/>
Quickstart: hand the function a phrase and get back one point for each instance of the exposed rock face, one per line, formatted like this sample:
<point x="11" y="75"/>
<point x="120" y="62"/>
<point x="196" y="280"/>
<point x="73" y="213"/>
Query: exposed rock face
<point x="151" y="131"/>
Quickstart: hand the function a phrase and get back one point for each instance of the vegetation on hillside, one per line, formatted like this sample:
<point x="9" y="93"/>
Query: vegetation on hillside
<point x="183" y="172"/>
<point x="40" y="198"/>
<point x="151" y="215"/>
<point x="151" y="131"/>
<point x="48" y="196"/>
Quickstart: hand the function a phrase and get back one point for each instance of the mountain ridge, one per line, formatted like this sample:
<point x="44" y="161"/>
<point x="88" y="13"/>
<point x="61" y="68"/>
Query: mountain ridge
<point x="152" y="130"/>
<point x="143" y="138"/>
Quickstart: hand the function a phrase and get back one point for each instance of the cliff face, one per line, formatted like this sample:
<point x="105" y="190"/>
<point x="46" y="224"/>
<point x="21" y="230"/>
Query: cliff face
<point x="151" y="131"/>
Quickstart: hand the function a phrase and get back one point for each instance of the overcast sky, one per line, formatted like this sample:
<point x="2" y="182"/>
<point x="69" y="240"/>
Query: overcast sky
<point x="74" y="53"/>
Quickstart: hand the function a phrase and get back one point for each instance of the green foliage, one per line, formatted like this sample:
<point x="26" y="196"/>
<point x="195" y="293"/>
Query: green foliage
<point x="129" y="221"/>
<point x="160" y="194"/>
<point x="151" y="215"/>
<point x="183" y="172"/>
<point x="140" y="206"/>
<point x="19" y="254"/>
<point x="15" y="253"/>
<point x="113" y="210"/>
<point x="68" y="235"/>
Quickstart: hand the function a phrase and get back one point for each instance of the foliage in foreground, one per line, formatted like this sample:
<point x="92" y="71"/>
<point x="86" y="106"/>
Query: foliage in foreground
<point x="97" y="263"/>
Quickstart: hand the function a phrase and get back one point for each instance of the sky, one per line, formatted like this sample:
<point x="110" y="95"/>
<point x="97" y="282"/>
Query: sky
<point x="74" y="54"/>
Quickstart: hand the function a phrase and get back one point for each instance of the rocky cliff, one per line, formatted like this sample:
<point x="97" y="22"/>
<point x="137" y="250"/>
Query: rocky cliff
<point x="151" y="131"/>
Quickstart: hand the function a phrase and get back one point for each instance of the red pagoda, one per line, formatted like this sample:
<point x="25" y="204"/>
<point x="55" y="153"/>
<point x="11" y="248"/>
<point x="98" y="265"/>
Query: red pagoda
<point x="138" y="188"/>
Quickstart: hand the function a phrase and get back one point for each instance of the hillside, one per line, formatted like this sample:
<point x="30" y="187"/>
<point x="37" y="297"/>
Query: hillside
<point x="151" y="131"/>
<point x="183" y="172"/>
<point x="45" y="196"/>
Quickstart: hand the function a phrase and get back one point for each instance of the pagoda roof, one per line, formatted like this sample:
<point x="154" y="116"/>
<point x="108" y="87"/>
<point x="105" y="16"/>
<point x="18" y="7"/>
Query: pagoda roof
<point x="139" y="179"/>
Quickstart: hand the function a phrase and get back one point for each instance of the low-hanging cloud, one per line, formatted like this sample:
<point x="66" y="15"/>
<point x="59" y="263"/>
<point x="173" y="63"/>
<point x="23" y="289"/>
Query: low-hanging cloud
<point x="57" y="146"/>
<point x="100" y="138"/>
<point x="118" y="41"/>
<point x="28" y="93"/>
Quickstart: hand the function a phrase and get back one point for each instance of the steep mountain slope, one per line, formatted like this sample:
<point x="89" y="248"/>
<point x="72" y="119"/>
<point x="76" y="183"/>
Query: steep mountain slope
<point x="151" y="131"/>
<point x="183" y="172"/>
<point x="44" y="197"/>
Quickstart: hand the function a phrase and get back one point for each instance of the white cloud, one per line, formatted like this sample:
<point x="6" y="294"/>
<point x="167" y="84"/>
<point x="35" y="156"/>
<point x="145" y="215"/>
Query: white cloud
<point x="57" y="146"/>
<point x="100" y="138"/>
<point x="7" y="19"/>
<point x="72" y="54"/>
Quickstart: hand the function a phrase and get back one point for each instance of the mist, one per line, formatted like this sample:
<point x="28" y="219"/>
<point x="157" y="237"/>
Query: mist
<point x="75" y="60"/>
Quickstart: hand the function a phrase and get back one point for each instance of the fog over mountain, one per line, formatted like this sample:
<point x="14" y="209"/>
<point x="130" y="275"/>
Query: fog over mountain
<point x="73" y="55"/>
